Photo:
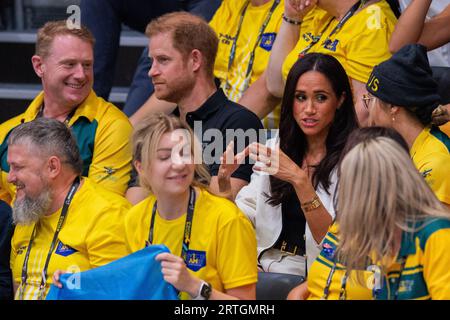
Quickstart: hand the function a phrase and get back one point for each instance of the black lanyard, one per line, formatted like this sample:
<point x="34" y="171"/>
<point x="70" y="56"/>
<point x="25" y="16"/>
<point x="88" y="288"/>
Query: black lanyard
<point x="402" y="267"/>
<point x="258" y="40"/>
<point x="61" y="220"/>
<point x="336" y="29"/>
<point x="343" y="291"/>
<point x="187" y="226"/>
<point x="40" y="114"/>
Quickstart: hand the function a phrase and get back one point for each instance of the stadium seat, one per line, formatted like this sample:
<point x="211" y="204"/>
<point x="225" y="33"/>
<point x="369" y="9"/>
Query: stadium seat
<point x="276" y="286"/>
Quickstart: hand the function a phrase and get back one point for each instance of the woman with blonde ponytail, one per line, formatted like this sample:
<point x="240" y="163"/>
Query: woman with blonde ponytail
<point x="389" y="215"/>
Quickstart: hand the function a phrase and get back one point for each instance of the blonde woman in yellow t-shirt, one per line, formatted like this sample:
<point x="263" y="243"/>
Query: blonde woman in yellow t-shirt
<point x="212" y="244"/>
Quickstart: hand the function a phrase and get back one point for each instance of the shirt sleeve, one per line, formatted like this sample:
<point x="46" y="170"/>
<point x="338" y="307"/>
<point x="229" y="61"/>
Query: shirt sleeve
<point x="435" y="265"/>
<point x="111" y="161"/>
<point x="237" y="253"/>
<point x="436" y="172"/>
<point x="246" y="122"/>
<point x="369" y="46"/>
<point x="105" y="239"/>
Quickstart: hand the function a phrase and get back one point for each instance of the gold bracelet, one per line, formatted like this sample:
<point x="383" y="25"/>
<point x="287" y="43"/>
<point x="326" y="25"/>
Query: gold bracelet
<point x="311" y="205"/>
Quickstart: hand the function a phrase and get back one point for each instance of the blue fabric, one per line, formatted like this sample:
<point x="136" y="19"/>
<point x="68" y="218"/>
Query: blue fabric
<point x="134" y="277"/>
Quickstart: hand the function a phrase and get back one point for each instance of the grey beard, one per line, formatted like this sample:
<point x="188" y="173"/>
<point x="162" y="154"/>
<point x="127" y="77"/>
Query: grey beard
<point x="30" y="210"/>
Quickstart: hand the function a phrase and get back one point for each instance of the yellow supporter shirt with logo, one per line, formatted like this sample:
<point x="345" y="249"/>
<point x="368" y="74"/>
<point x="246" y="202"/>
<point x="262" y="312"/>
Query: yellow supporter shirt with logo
<point x="322" y="268"/>
<point x="430" y="154"/>
<point x="103" y="136"/>
<point x="222" y="249"/>
<point x="226" y="22"/>
<point x="361" y="43"/>
<point x="92" y="236"/>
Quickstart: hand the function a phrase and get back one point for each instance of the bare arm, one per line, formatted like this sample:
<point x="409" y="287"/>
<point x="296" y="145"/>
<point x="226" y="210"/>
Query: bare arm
<point x="300" y="292"/>
<point x="285" y="41"/>
<point x="410" y="25"/>
<point x="152" y="105"/>
<point x="412" y="28"/>
<point x="258" y="99"/>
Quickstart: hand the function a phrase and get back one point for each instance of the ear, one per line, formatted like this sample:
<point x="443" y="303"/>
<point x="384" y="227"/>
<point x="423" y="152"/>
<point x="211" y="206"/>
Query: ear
<point x="196" y="60"/>
<point x="138" y="166"/>
<point x="38" y="65"/>
<point x="394" y="110"/>
<point x="54" y="166"/>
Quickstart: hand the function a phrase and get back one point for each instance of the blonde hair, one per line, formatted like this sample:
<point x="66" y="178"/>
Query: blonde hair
<point x="52" y="29"/>
<point x="188" y="32"/>
<point x="146" y="138"/>
<point x="380" y="192"/>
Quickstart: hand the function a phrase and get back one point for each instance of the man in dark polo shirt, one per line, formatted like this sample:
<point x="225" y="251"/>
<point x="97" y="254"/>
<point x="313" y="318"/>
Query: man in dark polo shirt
<point x="183" y="48"/>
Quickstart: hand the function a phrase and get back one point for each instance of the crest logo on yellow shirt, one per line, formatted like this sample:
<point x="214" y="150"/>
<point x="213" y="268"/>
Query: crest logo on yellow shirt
<point x="267" y="41"/>
<point x="64" y="250"/>
<point x="195" y="260"/>
<point x="331" y="45"/>
<point x="21" y="250"/>
<point x="427" y="173"/>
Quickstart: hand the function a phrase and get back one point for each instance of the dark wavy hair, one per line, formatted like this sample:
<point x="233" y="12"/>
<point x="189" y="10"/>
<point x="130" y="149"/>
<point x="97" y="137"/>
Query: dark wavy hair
<point x="292" y="139"/>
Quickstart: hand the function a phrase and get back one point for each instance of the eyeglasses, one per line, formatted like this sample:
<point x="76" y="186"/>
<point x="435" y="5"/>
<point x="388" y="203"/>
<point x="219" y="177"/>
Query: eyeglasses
<point x="366" y="100"/>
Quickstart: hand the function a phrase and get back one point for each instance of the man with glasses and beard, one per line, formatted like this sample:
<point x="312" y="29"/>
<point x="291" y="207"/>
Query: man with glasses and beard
<point x="63" y="221"/>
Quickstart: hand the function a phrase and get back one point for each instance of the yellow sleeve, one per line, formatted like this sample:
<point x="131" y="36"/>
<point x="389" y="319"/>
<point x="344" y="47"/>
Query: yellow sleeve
<point x="105" y="240"/>
<point x="111" y="161"/>
<point x="13" y="254"/>
<point x="436" y="262"/>
<point x="436" y="171"/>
<point x="237" y="253"/>
<point x="368" y="46"/>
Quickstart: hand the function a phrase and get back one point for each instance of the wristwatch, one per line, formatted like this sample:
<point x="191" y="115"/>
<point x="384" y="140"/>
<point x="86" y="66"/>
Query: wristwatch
<point x="204" y="293"/>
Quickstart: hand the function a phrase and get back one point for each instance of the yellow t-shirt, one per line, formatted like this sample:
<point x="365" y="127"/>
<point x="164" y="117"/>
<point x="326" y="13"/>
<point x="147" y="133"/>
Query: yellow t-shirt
<point x="225" y="22"/>
<point x="103" y="136"/>
<point x="430" y="154"/>
<point x="223" y="241"/>
<point x="91" y="236"/>
<point x="361" y="43"/>
<point x="322" y="267"/>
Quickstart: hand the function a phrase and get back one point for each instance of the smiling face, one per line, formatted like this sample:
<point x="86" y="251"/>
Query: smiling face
<point x="171" y="73"/>
<point x="27" y="173"/>
<point x="315" y="104"/>
<point x="67" y="72"/>
<point x="171" y="170"/>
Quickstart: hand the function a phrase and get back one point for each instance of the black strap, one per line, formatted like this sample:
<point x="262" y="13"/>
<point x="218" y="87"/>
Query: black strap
<point x="402" y="267"/>
<point x="61" y="220"/>
<point x="342" y="292"/>
<point x="336" y="29"/>
<point x="40" y="114"/>
<point x="258" y="40"/>
<point x="187" y="226"/>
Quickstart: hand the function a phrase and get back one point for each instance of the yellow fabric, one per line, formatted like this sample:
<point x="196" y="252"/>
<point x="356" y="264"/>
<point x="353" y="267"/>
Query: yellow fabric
<point x="320" y="271"/>
<point x="225" y="22"/>
<point x="361" y="44"/>
<point x="93" y="227"/>
<point x="426" y="274"/>
<point x="218" y="228"/>
<point x="111" y="149"/>
<point x="432" y="158"/>
<point x="445" y="128"/>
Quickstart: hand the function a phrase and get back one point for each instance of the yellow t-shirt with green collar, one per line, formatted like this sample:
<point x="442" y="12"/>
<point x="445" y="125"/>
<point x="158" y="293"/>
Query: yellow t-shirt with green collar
<point x="222" y="249"/>
<point x="322" y="268"/>
<point x="103" y="136"/>
<point x="91" y="236"/>
<point x="225" y="22"/>
<point x="430" y="154"/>
<point x="361" y="43"/>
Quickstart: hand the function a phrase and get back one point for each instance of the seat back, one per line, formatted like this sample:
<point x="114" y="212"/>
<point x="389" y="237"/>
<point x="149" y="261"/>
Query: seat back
<point x="276" y="286"/>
